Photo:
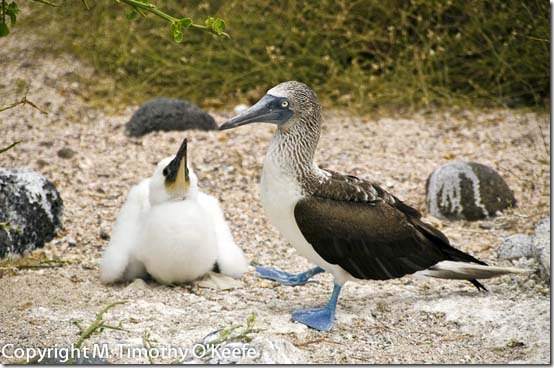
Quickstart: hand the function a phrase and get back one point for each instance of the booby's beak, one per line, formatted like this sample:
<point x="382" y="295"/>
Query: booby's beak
<point x="269" y="109"/>
<point x="176" y="173"/>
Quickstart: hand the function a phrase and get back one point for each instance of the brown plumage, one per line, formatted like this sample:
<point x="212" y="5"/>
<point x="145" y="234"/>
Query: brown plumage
<point x="369" y="232"/>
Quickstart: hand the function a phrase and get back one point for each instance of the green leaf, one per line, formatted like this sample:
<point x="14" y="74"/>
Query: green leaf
<point x="185" y="22"/>
<point x="12" y="10"/>
<point x="131" y="14"/>
<point x="216" y="25"/>
<point x="4" y="30"/>
<point x="177" y="30"/>
<point x="251" y="319"/>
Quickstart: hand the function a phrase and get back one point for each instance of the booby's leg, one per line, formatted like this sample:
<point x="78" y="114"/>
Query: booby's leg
<point x="319" y="318"/>
<point x="285" y="277"/>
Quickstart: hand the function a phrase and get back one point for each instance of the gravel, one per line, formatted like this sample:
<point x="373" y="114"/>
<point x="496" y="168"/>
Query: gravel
<point x="397" y="321"/>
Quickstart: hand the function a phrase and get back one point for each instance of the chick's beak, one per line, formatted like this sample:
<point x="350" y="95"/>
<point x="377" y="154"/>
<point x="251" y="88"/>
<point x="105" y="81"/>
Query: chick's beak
<point x="176" y="172"/>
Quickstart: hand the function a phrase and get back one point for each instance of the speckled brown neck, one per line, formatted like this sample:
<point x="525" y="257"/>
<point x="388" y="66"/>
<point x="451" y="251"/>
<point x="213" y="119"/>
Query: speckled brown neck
<point x="293" y="147"/>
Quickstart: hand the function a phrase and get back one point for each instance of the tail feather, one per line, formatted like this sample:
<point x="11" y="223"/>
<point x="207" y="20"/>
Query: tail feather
<point x="468" y="271"/>
<point x="459" y="265"/>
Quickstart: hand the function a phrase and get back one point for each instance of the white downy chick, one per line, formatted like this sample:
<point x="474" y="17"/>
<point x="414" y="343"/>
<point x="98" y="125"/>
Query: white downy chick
<point x="119" y="262"/>
<point x="179" y="233"/>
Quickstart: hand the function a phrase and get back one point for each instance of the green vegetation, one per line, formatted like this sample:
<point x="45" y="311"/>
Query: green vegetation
<point x="97" y="326"/>
<point x="234" y="333"/>
<point x="138" y="7"/>
<point x="362" y="54"/>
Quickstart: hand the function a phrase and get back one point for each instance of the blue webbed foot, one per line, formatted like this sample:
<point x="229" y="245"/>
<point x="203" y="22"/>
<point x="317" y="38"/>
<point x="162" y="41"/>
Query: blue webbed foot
<point x="286" y="278"/>
<point x="319" y="318"/>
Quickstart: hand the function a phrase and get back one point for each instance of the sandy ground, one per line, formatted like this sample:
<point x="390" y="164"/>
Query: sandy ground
<point x="399" y="321"/>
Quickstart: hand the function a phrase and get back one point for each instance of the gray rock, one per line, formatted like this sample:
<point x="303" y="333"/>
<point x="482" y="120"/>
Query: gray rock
<point x="516" y="246"/>
<point x="260" y="350"/>
<point x="66" y="153"/>
<point x="467" y="191"/>
<point x="276" y="351"/>
<point x="168" y="114"/>
<point x="32" y="208"/>
<point x="541" y="244"/>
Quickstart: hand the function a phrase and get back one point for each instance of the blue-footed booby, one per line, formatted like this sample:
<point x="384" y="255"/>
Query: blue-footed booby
<point x="169" y="229"/>
<point x="347" y="226"/>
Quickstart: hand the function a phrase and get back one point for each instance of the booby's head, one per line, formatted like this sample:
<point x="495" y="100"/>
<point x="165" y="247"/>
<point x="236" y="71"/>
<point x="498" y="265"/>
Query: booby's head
<point x="285" y="105"/>
<point x="173" y="179"/>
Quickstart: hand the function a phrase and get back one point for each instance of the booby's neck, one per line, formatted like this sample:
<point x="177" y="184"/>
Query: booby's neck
<point x="293" y="147"/>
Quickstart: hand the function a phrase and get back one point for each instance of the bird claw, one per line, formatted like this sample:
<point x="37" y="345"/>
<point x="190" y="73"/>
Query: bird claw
<point x="283" y="277"/>
<point x="317" y="318"/>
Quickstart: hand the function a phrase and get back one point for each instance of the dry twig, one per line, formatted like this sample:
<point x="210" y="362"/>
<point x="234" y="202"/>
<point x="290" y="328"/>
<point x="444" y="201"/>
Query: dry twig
<point x="23" y="101"/>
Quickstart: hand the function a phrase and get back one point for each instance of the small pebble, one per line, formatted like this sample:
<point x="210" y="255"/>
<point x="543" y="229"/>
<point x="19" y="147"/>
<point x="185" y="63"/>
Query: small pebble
<point x="66" y="153"/>
<point x="104" y="235"/>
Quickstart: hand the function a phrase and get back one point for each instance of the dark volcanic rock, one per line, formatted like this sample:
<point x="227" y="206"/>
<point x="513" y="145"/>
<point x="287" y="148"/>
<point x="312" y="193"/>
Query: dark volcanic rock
<point x="467" y="191"/>
<point x="31" y="206"/>
<point x="168" y="114"/>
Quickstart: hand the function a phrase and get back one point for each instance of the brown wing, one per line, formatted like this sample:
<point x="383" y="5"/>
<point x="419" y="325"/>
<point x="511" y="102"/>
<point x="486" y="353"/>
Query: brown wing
<point x="375" y="238"/>
<point x="351" y="188"/>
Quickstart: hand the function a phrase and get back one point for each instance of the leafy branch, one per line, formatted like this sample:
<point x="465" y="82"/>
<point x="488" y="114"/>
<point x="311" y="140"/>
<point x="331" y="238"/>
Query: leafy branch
<point x="139" y="7"/>
<point x="213" y="25"/>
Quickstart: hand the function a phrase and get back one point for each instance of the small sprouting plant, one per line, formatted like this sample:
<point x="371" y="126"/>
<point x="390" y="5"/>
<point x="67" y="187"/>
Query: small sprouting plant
<point x="97" y="326"/>
<point x="234" y="333"/>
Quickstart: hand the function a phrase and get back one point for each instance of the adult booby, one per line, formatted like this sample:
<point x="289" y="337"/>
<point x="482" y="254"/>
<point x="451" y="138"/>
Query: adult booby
<point x="347" y="226"/>
<point x="171" y="230"/>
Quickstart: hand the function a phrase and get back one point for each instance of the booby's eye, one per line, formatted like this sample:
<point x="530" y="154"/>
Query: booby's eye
<point x="285" y="103"/>
<point x="165" y="172"/>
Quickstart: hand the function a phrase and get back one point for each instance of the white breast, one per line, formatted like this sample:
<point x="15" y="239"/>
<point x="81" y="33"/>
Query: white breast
<point x="178" y="242"/>
<point x="280" y="191"/>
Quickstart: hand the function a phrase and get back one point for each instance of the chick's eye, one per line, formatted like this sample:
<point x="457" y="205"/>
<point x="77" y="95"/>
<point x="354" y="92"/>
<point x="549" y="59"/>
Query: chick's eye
<point x="285" y="103"/>
<point x="165" y="172"/>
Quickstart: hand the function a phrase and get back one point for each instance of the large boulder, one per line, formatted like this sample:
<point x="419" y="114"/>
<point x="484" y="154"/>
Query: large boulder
<point x="467" y="191"/>
<point x="168" y="114"/>
<point x="30" y="210"/>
